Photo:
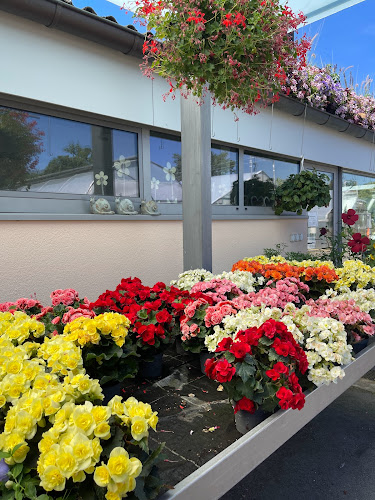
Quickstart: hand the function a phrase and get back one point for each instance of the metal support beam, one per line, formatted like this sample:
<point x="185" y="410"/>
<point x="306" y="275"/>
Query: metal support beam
<point x="224" y="471"/>
<point x="196" y="182"/>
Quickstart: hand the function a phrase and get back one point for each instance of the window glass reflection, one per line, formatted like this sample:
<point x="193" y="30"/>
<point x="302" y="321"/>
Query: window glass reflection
<point x="321" y="217"/>
<point x="224" y="175"/>
<point x="40" y="153"/>
<point x="358" y="193"/>
<point x="261" y="176"/>
<point x="125" y="165"/>
<point x="166" y="181"/>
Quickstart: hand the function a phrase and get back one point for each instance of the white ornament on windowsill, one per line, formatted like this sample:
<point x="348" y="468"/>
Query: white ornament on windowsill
<point x="100" y="206"/>
<point x="124" y="206"/>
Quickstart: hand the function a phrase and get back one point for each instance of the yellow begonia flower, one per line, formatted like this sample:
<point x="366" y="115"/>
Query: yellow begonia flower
<point x="52" y="479"/>
<point x="139" y="428"/>
<point x="102" y="476"/>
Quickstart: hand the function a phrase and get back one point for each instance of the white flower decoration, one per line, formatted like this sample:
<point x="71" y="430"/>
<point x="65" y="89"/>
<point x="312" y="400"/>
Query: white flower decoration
<point x="222" y="189"/>
<point x="155" y="183"/>
<point x="122" y="166"/>
<point x="101" y="178"/>
<point x="169" y="172"/>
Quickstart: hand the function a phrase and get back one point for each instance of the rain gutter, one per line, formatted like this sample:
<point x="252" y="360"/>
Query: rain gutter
<point x="56" y="14"/>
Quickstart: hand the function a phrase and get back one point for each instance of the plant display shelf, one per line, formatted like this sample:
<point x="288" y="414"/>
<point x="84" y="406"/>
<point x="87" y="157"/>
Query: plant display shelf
<point x="224" y="471"/>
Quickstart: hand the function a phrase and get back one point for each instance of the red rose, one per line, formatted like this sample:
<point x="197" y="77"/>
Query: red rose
<point x="280" y="367"/>
<point x="297" y="402"/>
<point x="245" y="404"/>
<point x="273" y="374"/>
<point x="224" y="371"/>
<point x="163" y="316"/>
<point x="209" y="368"/>
<point x="350" y="217"/>
<point x="224" y="345"/>
<point x="240" y="349"/>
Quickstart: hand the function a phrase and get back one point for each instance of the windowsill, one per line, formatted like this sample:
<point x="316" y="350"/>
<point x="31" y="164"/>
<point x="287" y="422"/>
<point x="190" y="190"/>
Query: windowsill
<point x="95" y="217"/>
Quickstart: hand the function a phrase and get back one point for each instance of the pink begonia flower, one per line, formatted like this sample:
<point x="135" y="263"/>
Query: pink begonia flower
<point x="43" y="312"/>
<point x="6" y="306"/>
<point x="72" y="314"/>
<point x="217" y="289"/>
<point x="56" y="320"/>
<point x="66" y="297"/>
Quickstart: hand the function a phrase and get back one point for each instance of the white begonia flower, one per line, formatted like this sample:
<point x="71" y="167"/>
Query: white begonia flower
<point x="169" y="172"/>
<point x="188" y="279"/>
<point x="101" y="178"/>
<point x="155" y="183"/>
<point x="122" y="166"/>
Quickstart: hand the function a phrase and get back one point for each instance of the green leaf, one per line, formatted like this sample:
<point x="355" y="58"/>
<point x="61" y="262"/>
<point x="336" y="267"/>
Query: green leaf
<point x="151" y="460"/>
<point x="30" y="491"/>
<point x="4" y="454"/>
<point x="43" y="497"/>
<point x="245" y="371"/>
<point x="142" y="314"/>
<point x="18" y="495"/>
<point x="16" y="470"/>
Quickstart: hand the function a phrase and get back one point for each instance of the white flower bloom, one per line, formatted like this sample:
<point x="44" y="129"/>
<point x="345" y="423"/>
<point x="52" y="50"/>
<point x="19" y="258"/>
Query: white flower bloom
<point x="188" y="279"/>
<point x="122" y="166"/>
<point x="170" y="172"/>
<point x="101" y="178"/>
<point x="155" y="183"/>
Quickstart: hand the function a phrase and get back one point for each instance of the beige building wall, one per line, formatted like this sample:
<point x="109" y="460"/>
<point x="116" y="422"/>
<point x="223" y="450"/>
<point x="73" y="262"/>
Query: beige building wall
<point x="92" y="256"/>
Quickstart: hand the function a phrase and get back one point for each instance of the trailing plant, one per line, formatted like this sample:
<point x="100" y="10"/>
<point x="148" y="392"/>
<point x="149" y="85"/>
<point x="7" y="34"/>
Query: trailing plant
<point x="241" y="49"/>
<point x="302" y="191"/>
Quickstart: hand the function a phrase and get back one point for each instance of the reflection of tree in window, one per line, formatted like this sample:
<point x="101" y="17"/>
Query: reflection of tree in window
<point x="220" y="164"/>
<point x="77" y="157"/>
<point x="20" y="144"/>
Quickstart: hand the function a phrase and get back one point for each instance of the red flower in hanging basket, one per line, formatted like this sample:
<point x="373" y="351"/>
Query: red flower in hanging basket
<point x="358" y="243"/>
<point x="350" y="217"/>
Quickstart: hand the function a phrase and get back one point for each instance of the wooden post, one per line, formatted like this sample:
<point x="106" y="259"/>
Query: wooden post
<point x="196" y="182"/>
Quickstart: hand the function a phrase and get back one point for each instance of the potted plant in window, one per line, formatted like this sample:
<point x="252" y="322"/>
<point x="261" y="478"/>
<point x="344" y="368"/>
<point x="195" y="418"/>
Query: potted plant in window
<point x="302" y="191"/>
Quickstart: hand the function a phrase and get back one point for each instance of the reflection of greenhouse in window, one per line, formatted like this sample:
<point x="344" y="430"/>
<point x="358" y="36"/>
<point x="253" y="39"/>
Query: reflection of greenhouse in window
<point x="52" y="155"/>
<point x="261" y="176"/>
<point x="358" y="193"/>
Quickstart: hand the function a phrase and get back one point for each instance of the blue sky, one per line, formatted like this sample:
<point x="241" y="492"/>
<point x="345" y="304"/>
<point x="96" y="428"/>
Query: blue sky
<point x="345" y="39"/>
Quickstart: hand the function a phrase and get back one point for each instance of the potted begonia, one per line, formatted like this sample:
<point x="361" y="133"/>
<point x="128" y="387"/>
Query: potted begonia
<point x="154" y="317"/>
<point x="260" y="369"/>
<point x="57" y="440"/>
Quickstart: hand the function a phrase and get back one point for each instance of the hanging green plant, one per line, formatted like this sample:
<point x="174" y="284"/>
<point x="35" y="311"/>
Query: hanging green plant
<point x="302" y="191"/>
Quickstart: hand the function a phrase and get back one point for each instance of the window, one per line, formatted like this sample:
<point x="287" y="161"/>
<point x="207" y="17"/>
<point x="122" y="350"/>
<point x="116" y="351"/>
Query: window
<point x="358" y="193"/>
<point x="45" y="154"/>
<point x="52" y="165"/>
<point x="260" y="177"/>
<point x="166" y="175"/>
<point x="224" y="175"/>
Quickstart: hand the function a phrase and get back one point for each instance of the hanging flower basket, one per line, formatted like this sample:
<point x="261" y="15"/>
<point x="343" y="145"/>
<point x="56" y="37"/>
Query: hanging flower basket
<point x="241" y="49"/>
